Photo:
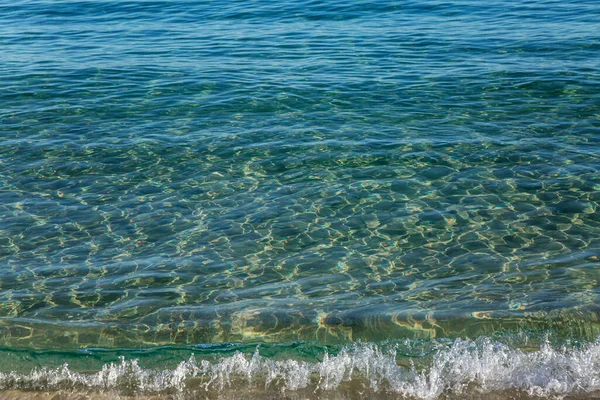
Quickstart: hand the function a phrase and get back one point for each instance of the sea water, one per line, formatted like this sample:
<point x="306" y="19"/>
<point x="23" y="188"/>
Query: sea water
<point x="322" y="199"/>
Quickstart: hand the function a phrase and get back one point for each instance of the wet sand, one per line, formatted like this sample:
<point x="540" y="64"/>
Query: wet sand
<point x="232" y="394"/>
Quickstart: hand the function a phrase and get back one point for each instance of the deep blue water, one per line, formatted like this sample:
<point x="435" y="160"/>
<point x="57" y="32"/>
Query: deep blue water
<point x="201" y="177"/>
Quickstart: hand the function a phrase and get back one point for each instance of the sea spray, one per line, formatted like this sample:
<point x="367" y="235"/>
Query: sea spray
<point x="482" y="366"/>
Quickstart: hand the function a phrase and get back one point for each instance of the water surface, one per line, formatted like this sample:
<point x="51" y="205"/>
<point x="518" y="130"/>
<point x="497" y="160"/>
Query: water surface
<point x="184" y="173"/>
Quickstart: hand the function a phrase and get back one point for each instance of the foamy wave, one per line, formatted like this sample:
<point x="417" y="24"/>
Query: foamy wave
<point x="482" y="364"/>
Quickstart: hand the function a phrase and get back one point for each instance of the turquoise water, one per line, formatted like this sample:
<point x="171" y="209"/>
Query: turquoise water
<point x="183" y="177"/>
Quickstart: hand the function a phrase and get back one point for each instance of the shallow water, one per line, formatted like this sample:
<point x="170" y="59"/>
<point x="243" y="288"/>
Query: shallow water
<point x="185" y="173"/>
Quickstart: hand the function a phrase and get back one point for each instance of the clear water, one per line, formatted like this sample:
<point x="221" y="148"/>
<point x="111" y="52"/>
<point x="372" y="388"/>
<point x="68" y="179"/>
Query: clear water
<point x="176" y="174"/>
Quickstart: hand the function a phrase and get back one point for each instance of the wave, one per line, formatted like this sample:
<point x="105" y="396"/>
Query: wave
<point x="466" y="366"/>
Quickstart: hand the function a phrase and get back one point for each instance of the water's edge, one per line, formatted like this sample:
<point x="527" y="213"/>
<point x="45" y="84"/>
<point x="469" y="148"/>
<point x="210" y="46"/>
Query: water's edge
<point x="526" y="365"/>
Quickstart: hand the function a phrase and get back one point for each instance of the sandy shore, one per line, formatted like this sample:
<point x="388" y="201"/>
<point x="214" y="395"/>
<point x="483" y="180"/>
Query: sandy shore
<point x="256" y="395"/>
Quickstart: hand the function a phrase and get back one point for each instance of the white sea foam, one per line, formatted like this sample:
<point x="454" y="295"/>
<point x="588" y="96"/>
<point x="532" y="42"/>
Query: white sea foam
<point x="483" y="364"/>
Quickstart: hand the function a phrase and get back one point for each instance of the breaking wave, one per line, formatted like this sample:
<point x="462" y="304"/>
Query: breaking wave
<point x="465" y="366"/>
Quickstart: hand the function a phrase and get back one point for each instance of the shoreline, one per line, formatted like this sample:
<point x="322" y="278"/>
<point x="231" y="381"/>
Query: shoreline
<point x="232" y="394"/>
